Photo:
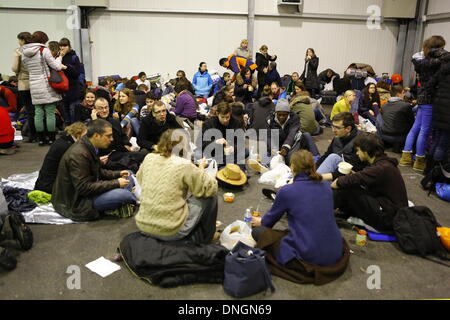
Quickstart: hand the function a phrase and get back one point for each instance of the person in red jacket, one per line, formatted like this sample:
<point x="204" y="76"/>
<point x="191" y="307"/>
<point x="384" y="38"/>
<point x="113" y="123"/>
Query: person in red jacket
<point x="6" y="133"/>
<point x="8" y="99"/>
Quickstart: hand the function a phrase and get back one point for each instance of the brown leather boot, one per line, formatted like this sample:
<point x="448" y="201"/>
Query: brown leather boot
<point x="419" y="164"/>
<point x="406" y="160"/>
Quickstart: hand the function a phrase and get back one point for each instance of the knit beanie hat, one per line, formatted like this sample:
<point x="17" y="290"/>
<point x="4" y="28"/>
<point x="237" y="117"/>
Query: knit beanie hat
<point x="282" y="106"/>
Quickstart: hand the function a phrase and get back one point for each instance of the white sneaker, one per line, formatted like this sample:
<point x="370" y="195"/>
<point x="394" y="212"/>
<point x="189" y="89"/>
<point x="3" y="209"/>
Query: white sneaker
<point x="257" y="166"/>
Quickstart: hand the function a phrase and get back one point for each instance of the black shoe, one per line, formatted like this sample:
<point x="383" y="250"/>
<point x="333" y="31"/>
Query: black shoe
<point x="51" y="138"/>
<point x="270" y="194"/>
<point x="42" y="140"/>
<point x="7" y="260"/>
<point x="21" y="231"/>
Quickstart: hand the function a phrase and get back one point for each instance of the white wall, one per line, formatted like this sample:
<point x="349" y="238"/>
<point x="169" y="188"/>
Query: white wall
<point x="12" y="22"/>
<point x="438" y="27"/>
<point x="128" y="42"/>
<point x="337" y="43"/>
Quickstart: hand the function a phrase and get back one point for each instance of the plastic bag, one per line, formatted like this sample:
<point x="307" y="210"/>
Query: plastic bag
<point x="443" y="191"/>
<point x="137" y="190"/>
<point x="212" y="168"/>
<point x="277" y="177"/>
<point x="235" y="232"/>
<point x="366" y="125"/>
<point x="276" y="160"/>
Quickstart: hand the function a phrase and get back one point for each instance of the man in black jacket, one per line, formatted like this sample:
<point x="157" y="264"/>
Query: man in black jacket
<point x="284" y="124"/>
<point x="154" y="125"/>
<point x="221" y="140"/>
<point x="377" y="192"/>
<point x="397" y="119"/>
<point x="345" y="132"/>
<point x="82" y="188"/>
<point x="119" y="155"/>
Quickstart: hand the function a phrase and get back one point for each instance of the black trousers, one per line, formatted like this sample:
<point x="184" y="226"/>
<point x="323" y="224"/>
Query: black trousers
<point x="203" y="233"/>
<point x="357" y="202"/>
<point x="25" y="97"/>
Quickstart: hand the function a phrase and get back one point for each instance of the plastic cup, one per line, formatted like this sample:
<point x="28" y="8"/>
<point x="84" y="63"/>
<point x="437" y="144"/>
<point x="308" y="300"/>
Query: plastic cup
<point x="228" y="150"/>
<point x="228" y="197"/>
<point x="345" y="167"/>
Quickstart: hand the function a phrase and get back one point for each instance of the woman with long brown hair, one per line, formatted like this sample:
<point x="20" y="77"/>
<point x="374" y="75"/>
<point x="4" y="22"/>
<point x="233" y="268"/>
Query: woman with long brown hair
<point x="309" y="75"/>
<point x="313" y="238"/>
<point x="369" y="103"/>
<point x="126" y="110"/>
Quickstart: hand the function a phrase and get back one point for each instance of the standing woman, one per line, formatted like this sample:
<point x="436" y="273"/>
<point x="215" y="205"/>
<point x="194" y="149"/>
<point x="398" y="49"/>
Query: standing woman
<point x="23" y="77"/>
<point x="43" y="96"/>
<point x="262" y="61"/>
<point x="126" y="111"/>
<point x="309" y="75"/>
<point x="426" y="64"/>
<point x="72" y="97"/>
<point x="369" y="103"/>
<point x="243" y="50"/>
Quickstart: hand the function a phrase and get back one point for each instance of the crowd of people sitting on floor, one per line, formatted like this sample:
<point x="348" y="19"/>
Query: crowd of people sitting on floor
<point x="126" y="133"/>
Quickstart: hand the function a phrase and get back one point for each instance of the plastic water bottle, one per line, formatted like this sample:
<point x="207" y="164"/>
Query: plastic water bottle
<point x="248" y="218"/>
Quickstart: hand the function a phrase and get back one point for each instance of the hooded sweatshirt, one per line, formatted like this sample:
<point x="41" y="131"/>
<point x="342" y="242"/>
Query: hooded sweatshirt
<point x="38" y="69"/>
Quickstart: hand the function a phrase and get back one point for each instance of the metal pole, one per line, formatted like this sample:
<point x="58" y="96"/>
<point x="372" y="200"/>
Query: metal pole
<point x="251" y="24"/>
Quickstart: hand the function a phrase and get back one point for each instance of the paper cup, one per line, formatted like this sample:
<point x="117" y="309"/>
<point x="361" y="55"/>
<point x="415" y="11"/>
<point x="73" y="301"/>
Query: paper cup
<point x="228" y="150"/>
<point x="345" y="167"/>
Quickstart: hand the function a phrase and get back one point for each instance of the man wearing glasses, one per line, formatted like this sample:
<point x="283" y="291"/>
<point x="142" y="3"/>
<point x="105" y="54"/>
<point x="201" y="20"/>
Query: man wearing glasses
<point x="154" y="125"/>
<point x="341" y="148"/>
<point x="82" y="188"/>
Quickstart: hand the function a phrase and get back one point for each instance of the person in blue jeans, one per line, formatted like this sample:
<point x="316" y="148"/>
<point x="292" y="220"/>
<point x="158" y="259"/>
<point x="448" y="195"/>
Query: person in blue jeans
<point x="82" y="189"/>
<point x="426" y="64"/>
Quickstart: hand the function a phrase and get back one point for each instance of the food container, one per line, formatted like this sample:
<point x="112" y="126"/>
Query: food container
<point x="345" y="167"/>
<point x="228" y="197"/>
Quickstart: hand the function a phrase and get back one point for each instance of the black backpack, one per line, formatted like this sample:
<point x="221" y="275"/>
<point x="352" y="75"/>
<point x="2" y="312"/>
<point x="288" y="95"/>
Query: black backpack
<point x="415" y="228"/>
<point x="437" y="173"/>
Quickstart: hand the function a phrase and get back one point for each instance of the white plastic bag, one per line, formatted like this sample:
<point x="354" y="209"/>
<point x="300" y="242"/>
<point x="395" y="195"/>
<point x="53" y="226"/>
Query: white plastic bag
<point x="277" y="177"/>
<point x="329" y="86"/>
<point x="137" y="190"/>
<point x="276" y="160"/>
<point x="237" y="231"/>
<point x="212" y="168"/>
<point x="366" y="125"/>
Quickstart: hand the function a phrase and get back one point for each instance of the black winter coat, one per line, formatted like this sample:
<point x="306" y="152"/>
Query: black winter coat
<point x="311" y="79"/>
<point x="398" y="118"/>
<point x="73" y="71"/>
<point x="171" y="264"/>
<point x="287" y="132"/>
<point x="80" y="178"/>
<point x="259" y="112"/>
<point x="441" y="105"/>
<point x="323" y="79"/>
<point x="426" y="68"/>
<point x="49" y="169"/>
<point x="151" y="130"/>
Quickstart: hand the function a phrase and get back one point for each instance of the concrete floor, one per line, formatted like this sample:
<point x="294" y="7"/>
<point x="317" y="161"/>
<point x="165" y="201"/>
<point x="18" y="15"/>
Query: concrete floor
<point x="41" y="272"/>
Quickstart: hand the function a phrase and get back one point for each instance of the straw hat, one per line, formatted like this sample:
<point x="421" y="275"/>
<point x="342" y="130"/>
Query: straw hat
<point x="232" y="174"/>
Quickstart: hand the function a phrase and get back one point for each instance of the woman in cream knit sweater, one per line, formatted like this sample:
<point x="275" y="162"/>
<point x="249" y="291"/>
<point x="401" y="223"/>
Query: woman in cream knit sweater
<point x="167" y="212"/>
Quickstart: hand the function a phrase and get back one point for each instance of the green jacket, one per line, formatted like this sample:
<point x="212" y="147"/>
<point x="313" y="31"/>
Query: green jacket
<point x="302" y="106"/>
